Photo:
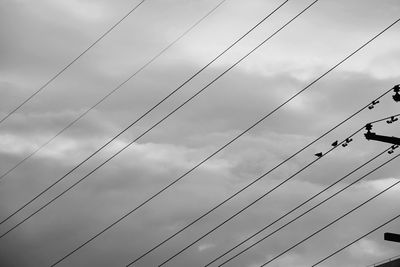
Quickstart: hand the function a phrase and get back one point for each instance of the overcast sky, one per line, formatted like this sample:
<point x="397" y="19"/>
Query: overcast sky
<point x="38" y="38"/>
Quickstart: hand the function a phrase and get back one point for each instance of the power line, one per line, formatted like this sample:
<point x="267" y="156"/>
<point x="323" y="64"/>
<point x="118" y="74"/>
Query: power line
<point x="159" y="122"/>
<point x="254" y="201"/>
<point x="384" y="261"/>
<point x="255" y="181"/>
<point x="239" y="135"/>
<point x="72" y="62"/>
<point x="291" y="211"/>
<point x="384" y="119"/>
<point x="165" y="188"/>
<point x="114" y="90"/>
<point x="334" y="221"/>
<point x="142" y="116"/>
<point x="358" y="239"/>
<point x="307" y="211"/>
<point x="248" y="129"/>
<point x="261" y="197"/>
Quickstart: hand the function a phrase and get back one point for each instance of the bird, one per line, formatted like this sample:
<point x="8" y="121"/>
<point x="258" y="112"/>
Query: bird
<point x="334" y="144"/>
<point x="319" y="154"/>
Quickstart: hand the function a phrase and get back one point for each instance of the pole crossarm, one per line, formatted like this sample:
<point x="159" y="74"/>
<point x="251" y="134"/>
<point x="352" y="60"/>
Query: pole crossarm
<point x="382" y="138"/>
<point x="392" y="237"/>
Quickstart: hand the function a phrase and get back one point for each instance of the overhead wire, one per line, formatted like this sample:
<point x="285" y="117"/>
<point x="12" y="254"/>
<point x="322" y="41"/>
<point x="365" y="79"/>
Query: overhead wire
<point x="384" y="261"/>
<point x="293" y="97"/>
<point x="255" y="201"/>
<point x="334" y="221"/>
<point x="116" y="89"/>
<point x="165" y="188"/>
<point x="258" y="179"/>
<point x="71" y="63"/>
<point x="305" y="212"/>
<point x="358" y="239"/>
<point x="140" y="118"/>
<point x="248" y="129"/>
<point x="290" y="212"/>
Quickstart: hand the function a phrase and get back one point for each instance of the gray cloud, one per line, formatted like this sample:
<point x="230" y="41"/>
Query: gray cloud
<point x="40" y="37"/>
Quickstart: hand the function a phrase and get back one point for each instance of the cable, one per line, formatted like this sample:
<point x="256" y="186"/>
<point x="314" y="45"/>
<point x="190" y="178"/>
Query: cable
<point x="334" y="221"/>
<point x="358" y="239"/>
<point x="148" y="130"/>
<point x="253" y="202"/>
<point x="115" y="89"/>
<point x="138" y="119"/>
<point x="72" y="62"/>
<point x="261" y="197"/>
<point x="384" y="261"/>
<point x="306" y="212"/>
<point x="127" y="214"/>
<point x="294" y="209"/>
<point x="380" y="120"/>
<point x="165" y="188"/>
<point x="256" y="180"/>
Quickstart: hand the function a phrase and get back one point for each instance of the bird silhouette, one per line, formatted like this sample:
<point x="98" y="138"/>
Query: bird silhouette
<point x="334" y="144"/>
<point x="319" y="154"/>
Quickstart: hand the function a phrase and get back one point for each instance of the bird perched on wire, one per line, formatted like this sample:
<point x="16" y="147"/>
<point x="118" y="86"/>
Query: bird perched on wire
<point x="319" y="154"/>
<point x="334" y="144"/>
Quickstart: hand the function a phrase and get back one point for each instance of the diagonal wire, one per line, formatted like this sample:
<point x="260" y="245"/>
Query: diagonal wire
<point x="127" y="214"/>
<point x="291" y="211"/>
<point x="358" y="239"/>
<point x="155" y="125"/>
<point x="381" y="262"/>
<point x="248" y="129"/>
<point x="255" y="201"/>
<point x="334" y="221"/>
<point x="72" y="62"/>
<point x="138" y="119"/>
<point x="309" y="210"/>
<point x="116" y="89"/>
<point x="376" y="121"/>
<point x="257" y="180"/>
<point x="261" y="197"/>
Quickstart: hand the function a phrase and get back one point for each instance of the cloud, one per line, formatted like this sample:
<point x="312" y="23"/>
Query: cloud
<point x="42" y="37"/>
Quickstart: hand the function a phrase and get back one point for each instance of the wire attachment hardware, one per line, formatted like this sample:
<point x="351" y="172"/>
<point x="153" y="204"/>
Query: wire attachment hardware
<point x="374" y="103"/>
<point x="392" y="149"/>
<point x="392" y="119"/>
<point x="396" y="90"/>
<point x="347" y="142"/>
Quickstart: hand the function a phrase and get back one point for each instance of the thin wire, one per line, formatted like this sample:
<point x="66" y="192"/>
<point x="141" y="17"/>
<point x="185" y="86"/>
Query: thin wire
<point x="72" y="62"/>
<point x="306" y="212"/>
<point x="384" y="261"/>
<point x="138" y="119"/>
<point x="294" y="209"/>
<point x="334" y="221"/>
<point x="143" y="203"/>
<point x="232" y="140"/>
<point x="255" y="201"/>
<point x="373" y="122"/>
<point x="252" y="183"/>
<point x="358" y="239"/>
<point x="155" y="125"/>
<point x="114" y="90"/>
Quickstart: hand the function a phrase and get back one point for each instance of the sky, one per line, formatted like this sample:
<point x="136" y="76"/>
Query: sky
<point x="39" y="38"/>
